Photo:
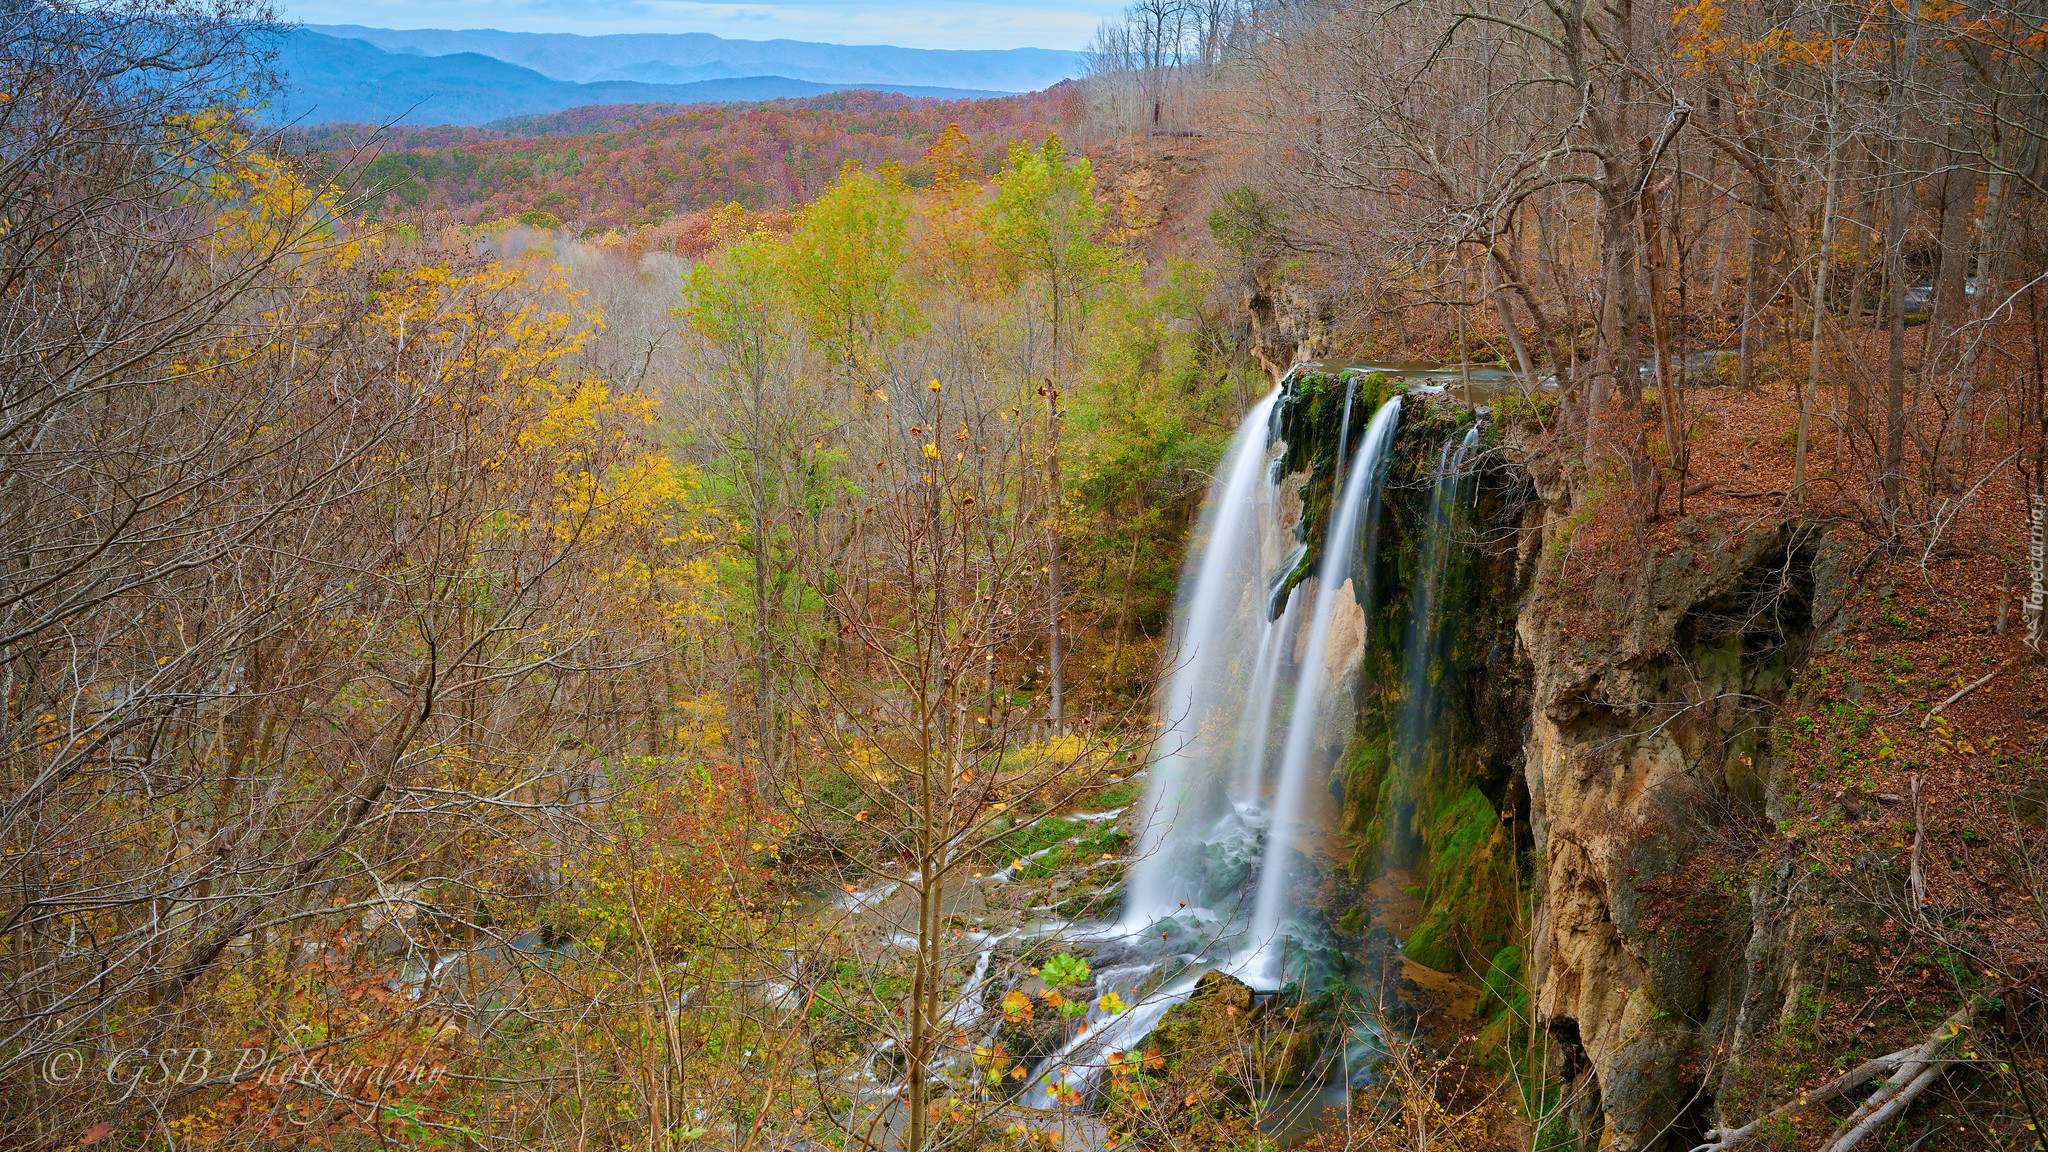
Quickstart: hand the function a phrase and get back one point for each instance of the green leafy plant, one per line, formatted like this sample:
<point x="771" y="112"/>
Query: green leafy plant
<point x="1064" y="971"/>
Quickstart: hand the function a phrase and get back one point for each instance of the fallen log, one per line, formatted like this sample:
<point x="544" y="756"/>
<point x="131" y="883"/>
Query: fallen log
<point x="1912" y="1071"/>
<point x="1965" y="691"/>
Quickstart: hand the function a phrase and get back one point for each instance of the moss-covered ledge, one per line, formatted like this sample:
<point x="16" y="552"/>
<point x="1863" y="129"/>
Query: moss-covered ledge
<point x="1437" y="805"/>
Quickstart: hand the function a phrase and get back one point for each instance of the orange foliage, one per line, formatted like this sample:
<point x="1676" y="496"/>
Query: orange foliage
<point x="628" y="166"/>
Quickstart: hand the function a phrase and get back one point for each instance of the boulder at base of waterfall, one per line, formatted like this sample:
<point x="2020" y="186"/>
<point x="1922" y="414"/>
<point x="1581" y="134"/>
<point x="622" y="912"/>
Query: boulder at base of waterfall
<point x="1220" y="989"/>
<point x="1094" y="891"/>
<point x="1286" y="1055"/>
<point x="1226" y="866"/>
<point x="1225" y="1047"/>
<point x="1201" y="1041"/>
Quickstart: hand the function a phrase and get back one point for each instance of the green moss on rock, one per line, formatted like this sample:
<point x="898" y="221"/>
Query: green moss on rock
<point x="1468" y="864"/>
<point x="1436" y="807"/>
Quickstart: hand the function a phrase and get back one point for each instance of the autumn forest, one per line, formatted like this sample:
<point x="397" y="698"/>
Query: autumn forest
<point x="666" y="627"/>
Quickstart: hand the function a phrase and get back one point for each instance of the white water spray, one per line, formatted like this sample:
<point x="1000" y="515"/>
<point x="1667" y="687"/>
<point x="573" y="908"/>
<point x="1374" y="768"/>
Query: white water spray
<point x="1201" y="699"/>
<point x="1262" y="964"/>
<point x="1248" y="779"/>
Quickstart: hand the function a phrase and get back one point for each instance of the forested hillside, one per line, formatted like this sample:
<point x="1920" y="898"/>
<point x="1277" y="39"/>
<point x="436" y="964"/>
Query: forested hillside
<point x="673" y="58"/>
<point x="331" y="78"/>
<point x="1438" y="577"/>
<point x="626" y="166"/>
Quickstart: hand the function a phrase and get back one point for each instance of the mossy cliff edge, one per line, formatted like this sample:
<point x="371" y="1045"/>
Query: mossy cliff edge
<point x="1428" y="762"/>
<point x="1593" y="736"/>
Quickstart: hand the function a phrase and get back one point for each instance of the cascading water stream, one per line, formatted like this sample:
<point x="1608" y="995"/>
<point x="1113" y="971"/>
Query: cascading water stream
<point x="1200" y="698"/>
<point x="1079" y="1061"/>
<point x="1276" y="637"/>
<point x="1206" y="834"/>
<point x="1421" y="643"/>
<point x="1261" y="964"/>
<point x="1344" y="431"/>
<point x="1247" y="780"/>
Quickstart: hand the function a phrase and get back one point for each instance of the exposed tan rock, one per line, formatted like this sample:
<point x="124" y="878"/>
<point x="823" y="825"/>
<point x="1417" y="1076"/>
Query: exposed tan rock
<point x="1289" y="325"/>
<point x="1451" y="995"/>
<point x="1342" y="666"/>
<point x="1625" y="761"/>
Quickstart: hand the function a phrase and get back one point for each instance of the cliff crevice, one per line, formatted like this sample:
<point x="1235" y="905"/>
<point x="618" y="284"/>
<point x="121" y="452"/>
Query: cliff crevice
<point x="1657" y="944"/>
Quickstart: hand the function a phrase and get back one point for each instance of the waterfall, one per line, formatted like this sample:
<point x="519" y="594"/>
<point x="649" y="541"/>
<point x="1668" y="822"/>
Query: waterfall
<point x="1344" y="431"/>
<point x="1248" y="778"/>
<point x="1223" y="579"/>
<point x="1421" y="642"/>
<point x="1208" y="844"/>
<point x="1263" y="964"/>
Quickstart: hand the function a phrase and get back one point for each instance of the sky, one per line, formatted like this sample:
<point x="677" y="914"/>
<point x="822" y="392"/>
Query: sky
<point x="906" y="23"/>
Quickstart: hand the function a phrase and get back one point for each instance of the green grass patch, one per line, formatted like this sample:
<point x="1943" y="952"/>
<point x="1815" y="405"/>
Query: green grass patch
<point x="1038" y="835"/>
<point x="1117" y="795"/>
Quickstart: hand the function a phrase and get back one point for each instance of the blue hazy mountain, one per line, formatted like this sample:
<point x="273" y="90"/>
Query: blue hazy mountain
<point x="677" y="58"/>
<point x="332" y="78"/>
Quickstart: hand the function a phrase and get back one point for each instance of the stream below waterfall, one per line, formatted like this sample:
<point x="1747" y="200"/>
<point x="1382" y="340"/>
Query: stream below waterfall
<point x="1227" y="855"/>
<point x="1230" y="843"/>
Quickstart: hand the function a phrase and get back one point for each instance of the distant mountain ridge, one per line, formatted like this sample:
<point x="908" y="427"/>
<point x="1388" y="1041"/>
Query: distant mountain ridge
<point x="670" y="58"/>
<point x="335" y="79"/>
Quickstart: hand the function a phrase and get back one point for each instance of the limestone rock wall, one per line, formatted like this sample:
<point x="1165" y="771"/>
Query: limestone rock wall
<point x="1586" y="809"/>
<point x="1652" y="683"/>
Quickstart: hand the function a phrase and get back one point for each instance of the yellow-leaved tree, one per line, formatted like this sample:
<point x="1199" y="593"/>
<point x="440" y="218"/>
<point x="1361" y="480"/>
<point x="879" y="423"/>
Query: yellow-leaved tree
<point x="334" y="580"/>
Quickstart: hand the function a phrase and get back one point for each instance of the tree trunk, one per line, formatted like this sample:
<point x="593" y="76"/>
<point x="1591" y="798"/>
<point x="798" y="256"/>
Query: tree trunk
<point x="764" y="667"/>
<point x="1618" y="378"/>
<point x="1859" y="299"/>
<point x="1056" y="654"/>
<point x="1991" y="250"/>
<point x="1670" y="402"/>
<point x="1514" y="335"/>
<point x="1951" y="299"/>
<point x="1895" y="360"/>
<point x="1820" y="307"/>
<point x="1721" y="253"/>
<point x="1560" y="360"/>
<point x="916" y="1085"/>
<point x="1752" y="248"/>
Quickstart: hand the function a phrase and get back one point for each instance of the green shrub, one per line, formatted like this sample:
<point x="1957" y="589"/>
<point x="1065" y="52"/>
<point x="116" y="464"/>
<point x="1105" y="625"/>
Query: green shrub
<point x="837" y="788"/>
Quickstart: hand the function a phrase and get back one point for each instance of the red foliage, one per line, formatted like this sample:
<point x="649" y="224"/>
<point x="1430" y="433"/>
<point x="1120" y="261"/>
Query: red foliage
<point x="627" y="166"/>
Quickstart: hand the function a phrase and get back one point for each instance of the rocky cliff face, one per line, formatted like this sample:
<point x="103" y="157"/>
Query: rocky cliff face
<point x="1288" y="324"/>
<point x="1654" y="673"/>
<point x="1588" y="804"/>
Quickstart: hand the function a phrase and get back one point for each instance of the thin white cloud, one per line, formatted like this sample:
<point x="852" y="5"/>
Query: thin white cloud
<point x="1056" y="24"/>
